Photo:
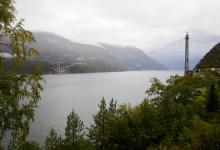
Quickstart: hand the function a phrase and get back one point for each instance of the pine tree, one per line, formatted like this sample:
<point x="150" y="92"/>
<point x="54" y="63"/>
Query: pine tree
<point x="52" y="140"/>
<point x="112" y="109"/>
<point x="74" y="128"/>
<point x="97" y="132"/>
<point x="111" y="125"/>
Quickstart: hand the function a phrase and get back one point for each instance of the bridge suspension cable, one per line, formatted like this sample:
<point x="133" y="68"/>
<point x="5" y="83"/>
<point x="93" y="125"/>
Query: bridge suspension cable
<point x="165" y="47"/>
<point x="199" y="41"/>
<point x="158" y="49"/>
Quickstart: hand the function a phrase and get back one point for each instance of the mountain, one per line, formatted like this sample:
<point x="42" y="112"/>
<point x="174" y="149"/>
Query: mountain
<point x="211" y="59"/>
<point x="132" y="57"/>
<point x="53" y="46"/>
<point x="90" y="58"/>
<point x="73" y="57"/>
<point x="77" y="56"/>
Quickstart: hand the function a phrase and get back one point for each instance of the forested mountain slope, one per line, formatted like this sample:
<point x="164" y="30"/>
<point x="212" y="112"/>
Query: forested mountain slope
<point x="211" y="59"/>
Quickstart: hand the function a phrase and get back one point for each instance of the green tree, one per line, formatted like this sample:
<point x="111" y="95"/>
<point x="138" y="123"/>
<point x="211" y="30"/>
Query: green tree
<point x="74" y="128"/>
<point x="29" y="146"/>
<point x="201" y="135"/>
<point x="97" y="132"/>
<point x="19" y="93"/>
<point x="110" y="125"/>
<point x="112" y="114"/>
<point x="213" y="100"/>
<point x="150" y="125"/>
<point x="52" y="140"/>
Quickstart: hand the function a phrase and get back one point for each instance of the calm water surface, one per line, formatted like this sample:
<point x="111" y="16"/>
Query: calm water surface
<point x="83" y="92"/>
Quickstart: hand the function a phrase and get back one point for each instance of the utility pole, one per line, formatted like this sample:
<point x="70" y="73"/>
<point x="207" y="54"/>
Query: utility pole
<point x="186" y="53"/>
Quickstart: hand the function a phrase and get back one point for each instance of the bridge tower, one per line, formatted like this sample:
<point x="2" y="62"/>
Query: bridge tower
<point x="186" y="54"/>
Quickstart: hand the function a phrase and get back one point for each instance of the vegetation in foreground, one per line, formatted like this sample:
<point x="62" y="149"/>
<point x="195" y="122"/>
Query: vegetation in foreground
<point x="19" y="93"/>
<point x="183" y="113"/>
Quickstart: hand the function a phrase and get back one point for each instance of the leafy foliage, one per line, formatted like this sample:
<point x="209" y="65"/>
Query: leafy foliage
<point x="212" y="103"/>
<point x="30" y="145"/>
<point x="174" y="116"/>
<point x="19" y="93"/>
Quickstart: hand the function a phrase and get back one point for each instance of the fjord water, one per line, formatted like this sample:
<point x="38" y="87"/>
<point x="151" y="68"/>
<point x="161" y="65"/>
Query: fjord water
<point x="83" y="92"/>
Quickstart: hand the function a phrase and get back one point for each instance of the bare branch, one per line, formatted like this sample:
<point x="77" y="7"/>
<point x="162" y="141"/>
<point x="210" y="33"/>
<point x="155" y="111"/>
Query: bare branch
<point x="9" y="46"/>
<point x="5" y="44"/>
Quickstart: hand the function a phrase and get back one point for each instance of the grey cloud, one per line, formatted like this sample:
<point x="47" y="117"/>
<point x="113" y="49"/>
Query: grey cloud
<point x="146" y="24"/>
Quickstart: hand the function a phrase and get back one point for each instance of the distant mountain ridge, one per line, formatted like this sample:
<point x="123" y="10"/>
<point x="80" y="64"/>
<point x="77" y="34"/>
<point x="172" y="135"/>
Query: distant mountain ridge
<point x="76" y="57"/>
<point x="133" y="58"/>
<point x="211" y="59"/>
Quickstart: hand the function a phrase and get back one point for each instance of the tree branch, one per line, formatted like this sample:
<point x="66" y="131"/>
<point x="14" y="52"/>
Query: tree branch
<point x="5" y="44"/>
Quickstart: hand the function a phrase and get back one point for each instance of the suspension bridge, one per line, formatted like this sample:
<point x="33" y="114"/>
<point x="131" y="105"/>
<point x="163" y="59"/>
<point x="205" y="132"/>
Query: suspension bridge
<point x="62" y="68"/>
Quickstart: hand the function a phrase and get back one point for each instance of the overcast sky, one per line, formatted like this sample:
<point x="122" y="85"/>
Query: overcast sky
<point x="147" y="24"/>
